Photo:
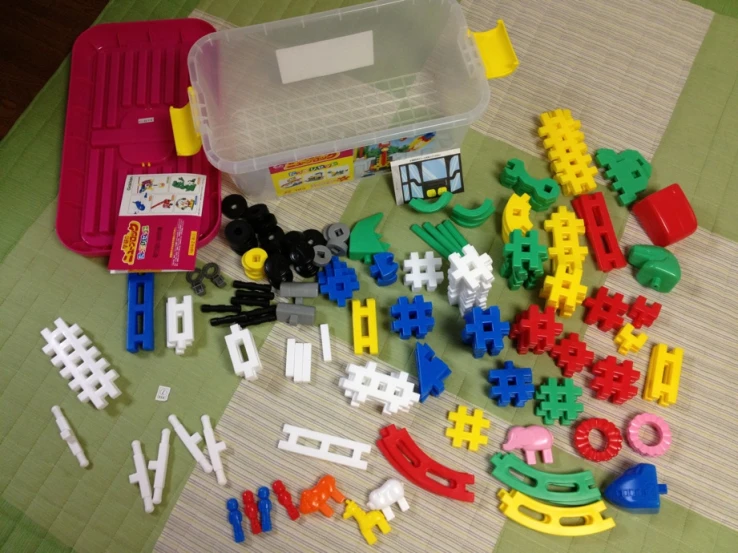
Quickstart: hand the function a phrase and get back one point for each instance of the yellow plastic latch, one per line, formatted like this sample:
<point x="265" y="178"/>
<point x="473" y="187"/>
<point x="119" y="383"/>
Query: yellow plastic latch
<point x="186" y="137"/>
<point x="496" y="50"/>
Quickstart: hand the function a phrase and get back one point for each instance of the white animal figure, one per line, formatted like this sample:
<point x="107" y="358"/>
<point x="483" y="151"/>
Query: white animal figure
<point x="392" y="491"/>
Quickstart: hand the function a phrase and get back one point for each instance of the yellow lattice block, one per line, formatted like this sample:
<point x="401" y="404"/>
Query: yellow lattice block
<point x="567" y="152"/>
<point x="459" y="434"/>
<point x="364" y="319"/>
<point x="516" y="216"/>
<point x="564" y="290"/>
<point x="628" y="341"/>
<point x="664" y="372"/>
<point x="591" y="515"/>
<point x="565" y="228"/>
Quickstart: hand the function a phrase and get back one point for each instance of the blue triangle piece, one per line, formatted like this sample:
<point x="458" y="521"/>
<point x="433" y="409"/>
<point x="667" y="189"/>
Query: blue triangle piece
<point x="432" y="371"/>
<point x="637" y="490"/>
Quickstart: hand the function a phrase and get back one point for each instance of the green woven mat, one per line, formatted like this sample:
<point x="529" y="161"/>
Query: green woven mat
<point x="46" y="506"/>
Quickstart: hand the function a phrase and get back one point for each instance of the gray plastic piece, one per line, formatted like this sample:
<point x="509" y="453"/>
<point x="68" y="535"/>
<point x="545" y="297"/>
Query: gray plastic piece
<point x="337" y="248"/>
<point x="194" y="279"/>
<point x="295" y="314"/>
<point x="322" y="255"/>
<point x="298" y="289"/>
<point x="337" y="232"/>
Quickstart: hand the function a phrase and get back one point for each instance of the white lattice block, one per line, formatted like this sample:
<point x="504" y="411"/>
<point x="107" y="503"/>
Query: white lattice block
<point x="294" y="433"/>
<point x="325" y="342"/>
<point x="391" y="390"/>
<point x="214" y="449"/>
<point x="80" y="363"/>
<point x="180" y="328"/>
<point x="470" y="279"/>
<point x="190" y="441"/>
<point x="141" y="477"/>
<point x="159" y="466"/>
<point x="243" y="352"/>
<point x="68" y="435"/>
<point x="422" y="272"/>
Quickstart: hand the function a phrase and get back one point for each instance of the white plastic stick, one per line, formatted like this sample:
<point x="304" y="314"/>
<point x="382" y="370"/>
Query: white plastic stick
<point x="243" y="352"/>
<point x="176" y="312"/>
<point x="141" y="477"/>
<point x="214" y="449"/>
<point x="160" y="465"/>
<point x="307" y="362"/>
<point x="289" y="366"/>
<point x="325" y="341"/>
<point x="68" y="435"/>
<point x="190" y="442"/>
<point x="323" y="452"/>
<point x="297" y="367"/>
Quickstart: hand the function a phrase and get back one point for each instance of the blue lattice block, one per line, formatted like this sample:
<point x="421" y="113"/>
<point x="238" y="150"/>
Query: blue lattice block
<point x="338" y="281"/>
<point x="510" y="385"/>
<point x="484" y="331"/>
<point x="412" y="318"/>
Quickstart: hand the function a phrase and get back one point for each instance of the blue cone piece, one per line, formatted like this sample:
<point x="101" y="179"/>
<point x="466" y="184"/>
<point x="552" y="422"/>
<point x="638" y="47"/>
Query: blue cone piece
<point x="637" y="490"/>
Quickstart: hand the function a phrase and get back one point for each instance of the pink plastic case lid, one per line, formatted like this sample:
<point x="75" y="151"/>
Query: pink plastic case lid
<point x="124" y="78"/>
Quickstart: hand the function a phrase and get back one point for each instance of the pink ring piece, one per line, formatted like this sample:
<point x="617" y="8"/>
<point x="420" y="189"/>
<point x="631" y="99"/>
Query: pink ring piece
<point x="662" y="428"/>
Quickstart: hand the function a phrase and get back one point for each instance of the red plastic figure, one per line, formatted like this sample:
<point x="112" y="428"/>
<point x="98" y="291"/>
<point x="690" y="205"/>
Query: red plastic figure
<point x="316" y="498"/>
<point x="642" y="313"/>
<point x="251" y="512"/>
<point x="535" y="331"/>
<point x="413" y="463"/>
<point x="600" y="232"/>
<point x="604" y="310"/>
<point x="285" y="499"/>
<point x="666" y="215"/>
<point x="613" y="437"/>
<point x="571" y="355"/>
<point x="614" y="381"/>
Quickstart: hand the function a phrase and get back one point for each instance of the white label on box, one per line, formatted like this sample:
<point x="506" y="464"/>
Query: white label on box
<point x="326" y="57"/>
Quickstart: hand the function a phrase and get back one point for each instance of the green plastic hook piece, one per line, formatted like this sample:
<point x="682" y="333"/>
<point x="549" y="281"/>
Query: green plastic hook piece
<point x="471" y="218"/>
<point x="426" y="206"/>
<point x="364" y="240"/>
<point x="543" y="192"/>
<point x="658" y="268"/>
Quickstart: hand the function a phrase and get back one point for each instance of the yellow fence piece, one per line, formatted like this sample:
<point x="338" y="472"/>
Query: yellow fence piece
<point x="594" y="522"/>
<point x="359" y="314"/>
<point x="664" y="372"/>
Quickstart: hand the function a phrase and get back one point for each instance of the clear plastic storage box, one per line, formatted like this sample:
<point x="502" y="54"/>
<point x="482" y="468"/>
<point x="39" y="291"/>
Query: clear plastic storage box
<point x="349" y="88"/>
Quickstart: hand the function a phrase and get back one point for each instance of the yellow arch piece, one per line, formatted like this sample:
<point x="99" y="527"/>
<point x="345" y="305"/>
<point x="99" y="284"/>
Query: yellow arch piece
<point x="510" y="503"/>
<point x="496" y="50"/>
<point x="516" y="216"/>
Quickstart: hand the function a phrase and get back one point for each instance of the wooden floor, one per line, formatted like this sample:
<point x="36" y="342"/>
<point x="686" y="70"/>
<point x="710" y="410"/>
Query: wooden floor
<point x="35" y="37"/>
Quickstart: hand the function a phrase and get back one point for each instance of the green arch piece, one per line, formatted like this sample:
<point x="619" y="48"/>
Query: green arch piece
<point x="581" y="485"/>
<point x="425" y="206"/>
<point x="471" y="218"/>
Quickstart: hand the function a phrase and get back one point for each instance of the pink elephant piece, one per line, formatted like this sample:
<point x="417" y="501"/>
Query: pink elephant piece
<point x="530" y="439"/>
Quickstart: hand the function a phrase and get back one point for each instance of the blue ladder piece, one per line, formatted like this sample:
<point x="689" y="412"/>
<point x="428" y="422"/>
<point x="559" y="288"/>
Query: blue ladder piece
<point x="432" y="371"/>
<point x="140" y="334"/>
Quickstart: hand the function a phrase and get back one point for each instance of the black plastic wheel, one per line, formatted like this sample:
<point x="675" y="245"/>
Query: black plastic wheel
<point x="234" y="206"/>
<point x="240" y="236"/>
<point x="277" y="269"/>
<point x="314" y="237"/>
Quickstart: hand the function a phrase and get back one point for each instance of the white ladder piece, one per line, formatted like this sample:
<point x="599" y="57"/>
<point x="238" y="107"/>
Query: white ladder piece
<point x="323" y="452"/>
<point x="393" y="390"/>
<point x="179" y="313"/>
<point x="243" y="352"/>
<point x="80" y="363"/>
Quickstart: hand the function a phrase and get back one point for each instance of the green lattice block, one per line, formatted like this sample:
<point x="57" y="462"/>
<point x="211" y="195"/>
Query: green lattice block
<point x="576" y="488"/>
<point x="558" y="400"/>
<point x="523" y="260"/>
<point x="629" y="172"/>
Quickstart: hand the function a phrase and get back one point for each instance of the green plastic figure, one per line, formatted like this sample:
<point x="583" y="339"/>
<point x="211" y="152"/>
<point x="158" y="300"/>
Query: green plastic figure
<point x="629" y="172"/>
<point x="543" y="192"/>
<point x="364" y="240"/>
<point x="524" y="258"/>
<point x="658" y="268"/>
<point x="180" y="183"/>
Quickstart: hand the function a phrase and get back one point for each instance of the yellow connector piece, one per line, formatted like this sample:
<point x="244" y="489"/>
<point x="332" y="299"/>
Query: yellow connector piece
<point x="564" y="291"/>
<point x="253" y="263"/>
<point x="516" y="216"/>
<point x="550" y="518"/>
<point x="364" y="320"/>
<point x="664" y="372"/>
<point x="459" y="433"/>
<point x="627" y="341"/>
<point x="567" y="152"/>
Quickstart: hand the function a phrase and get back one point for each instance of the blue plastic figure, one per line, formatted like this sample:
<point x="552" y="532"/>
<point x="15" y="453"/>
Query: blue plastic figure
<point x="484" y="331"/>
<point x="338" y="281"/>
<point x="140" y="330"/>
<point x="511" y="385"/>
<point x="235" y="518"/>
<point x="432" y="371"/>
<point x="637" y="490"/>
<point x="265" y="507"/>
<point x="412" y="318"/>
<point x="384" y="269"/>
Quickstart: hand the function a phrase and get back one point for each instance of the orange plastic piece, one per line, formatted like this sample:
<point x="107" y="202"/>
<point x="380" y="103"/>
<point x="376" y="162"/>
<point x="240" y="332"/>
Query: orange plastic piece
<point x="316" y="498"/>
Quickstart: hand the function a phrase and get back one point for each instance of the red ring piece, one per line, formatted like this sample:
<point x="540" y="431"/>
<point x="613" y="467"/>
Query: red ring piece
<point x="612" y="435"/>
